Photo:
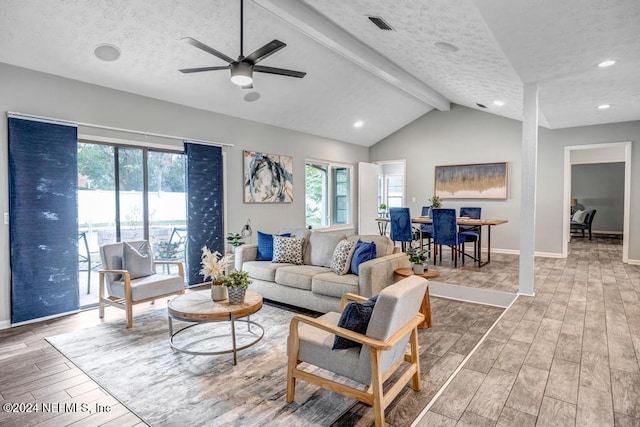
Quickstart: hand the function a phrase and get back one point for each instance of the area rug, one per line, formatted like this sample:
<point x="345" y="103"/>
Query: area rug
<point x="167" y="388"/>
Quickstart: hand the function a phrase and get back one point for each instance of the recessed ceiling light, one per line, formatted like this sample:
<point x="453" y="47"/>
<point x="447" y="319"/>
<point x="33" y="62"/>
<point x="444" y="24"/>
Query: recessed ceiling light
<point x="107" y="52"/>
<point x="358" y="124"/>
<point x="498" y="103"/>
<point x="481" y="105"/>
<point x="603" y="106"/>
<point x="607" y="63"/>
<point x="446" y="47"/>
<point x="252" y="96"/>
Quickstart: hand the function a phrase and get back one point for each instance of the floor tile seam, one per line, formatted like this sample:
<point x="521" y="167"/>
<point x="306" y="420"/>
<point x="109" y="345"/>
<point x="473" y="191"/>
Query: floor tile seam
<point x="461" y="366"/>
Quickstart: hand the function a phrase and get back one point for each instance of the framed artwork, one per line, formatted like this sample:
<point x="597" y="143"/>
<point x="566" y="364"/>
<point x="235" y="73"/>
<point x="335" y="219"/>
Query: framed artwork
<point x="268" y="178"/>
<point x="475" y="181"/>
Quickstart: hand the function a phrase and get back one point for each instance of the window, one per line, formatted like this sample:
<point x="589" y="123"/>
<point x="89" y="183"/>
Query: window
<point x="327" y="194"/>
<point x="395" y="190"/>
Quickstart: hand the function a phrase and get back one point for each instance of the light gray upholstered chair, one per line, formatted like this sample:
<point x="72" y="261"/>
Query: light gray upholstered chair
<point x="393" y="324"/>
<point x="123" y="291"/>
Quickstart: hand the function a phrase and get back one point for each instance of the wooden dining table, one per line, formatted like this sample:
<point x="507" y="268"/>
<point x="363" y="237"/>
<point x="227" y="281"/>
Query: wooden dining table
<point x="383" y="222"/>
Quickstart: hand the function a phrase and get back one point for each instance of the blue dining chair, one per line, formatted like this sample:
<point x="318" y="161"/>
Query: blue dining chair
<point x="401" y="230"/>
<point x="427" y="229"/>
<point x="471" y="233"/>
<point x="445" y="232"/>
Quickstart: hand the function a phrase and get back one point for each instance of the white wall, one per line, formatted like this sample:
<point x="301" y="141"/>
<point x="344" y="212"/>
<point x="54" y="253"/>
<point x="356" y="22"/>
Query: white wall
<point x="37" y="93"/>
<point x="463" y="135"/>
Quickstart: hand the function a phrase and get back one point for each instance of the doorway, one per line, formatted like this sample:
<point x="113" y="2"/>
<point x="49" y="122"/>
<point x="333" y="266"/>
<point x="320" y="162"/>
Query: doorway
<point x="597" y="153"/>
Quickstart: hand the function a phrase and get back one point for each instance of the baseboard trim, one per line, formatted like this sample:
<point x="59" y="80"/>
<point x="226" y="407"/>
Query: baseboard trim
<point x="549" y="254"/>
<point x="471" y="295"/>
<point x="5" y="324"/>
<point x="517" y="252"/>
<point x="634" y="261"/>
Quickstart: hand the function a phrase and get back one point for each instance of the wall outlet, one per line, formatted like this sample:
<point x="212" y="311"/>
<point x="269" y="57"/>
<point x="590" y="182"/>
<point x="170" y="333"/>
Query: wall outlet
<point x="413" y="200"/>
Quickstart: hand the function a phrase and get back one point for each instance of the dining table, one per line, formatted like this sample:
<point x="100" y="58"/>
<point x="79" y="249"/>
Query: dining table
<point x="480" y="223"/>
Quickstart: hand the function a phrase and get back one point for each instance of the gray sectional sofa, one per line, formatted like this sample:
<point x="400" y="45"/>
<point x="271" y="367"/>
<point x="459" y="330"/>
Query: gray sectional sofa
<point x="313" y="285"/>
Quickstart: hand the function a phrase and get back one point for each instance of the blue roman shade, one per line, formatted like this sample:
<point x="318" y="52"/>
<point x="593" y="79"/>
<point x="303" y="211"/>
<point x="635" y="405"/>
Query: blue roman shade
<point x="43" y="213"/>
<point x="205" y="220"/>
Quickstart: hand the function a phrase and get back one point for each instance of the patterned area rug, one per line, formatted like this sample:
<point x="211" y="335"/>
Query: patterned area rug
<point x="167" y="388"/>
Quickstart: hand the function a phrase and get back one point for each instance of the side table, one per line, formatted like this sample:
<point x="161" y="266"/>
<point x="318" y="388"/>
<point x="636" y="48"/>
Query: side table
<point x="425" y="308"/>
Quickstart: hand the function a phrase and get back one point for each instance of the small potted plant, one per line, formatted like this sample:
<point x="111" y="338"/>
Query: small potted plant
<point x="382" y="210"/>
<point x="417" y="258"/>
<point x="235" y="239"/>
<point x="214" y="266"/>
<point x="236" y="283"/>
<point x="435" y="202"/>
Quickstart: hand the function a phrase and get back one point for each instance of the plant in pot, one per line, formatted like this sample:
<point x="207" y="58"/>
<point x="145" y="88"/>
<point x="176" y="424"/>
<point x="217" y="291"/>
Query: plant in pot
<point x="417" y="258"/>
<point x="382" y="210"/>
<point x="214" y="266"/>
<point x="435" y="202"/>
<point x="235" y="239"/>
<point x="236" y="283"/>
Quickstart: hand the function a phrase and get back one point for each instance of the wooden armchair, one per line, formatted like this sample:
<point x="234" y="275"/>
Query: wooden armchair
<point x="393" y="324"/>
<point x="125" y="291"/>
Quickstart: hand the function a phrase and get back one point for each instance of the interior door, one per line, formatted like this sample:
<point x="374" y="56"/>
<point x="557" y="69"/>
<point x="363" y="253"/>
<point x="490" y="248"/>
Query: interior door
<point x="367" y="198"/>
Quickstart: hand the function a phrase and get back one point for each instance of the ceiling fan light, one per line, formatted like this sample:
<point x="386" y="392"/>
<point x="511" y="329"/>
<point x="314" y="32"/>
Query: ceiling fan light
<point x="241" y="74"/>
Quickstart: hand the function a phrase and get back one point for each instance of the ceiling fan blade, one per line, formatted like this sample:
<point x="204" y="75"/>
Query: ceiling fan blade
<point x="266" y="50"/>
<point x="198" y="70"/>
<point x="212" y="51"/>
<point x="279" y="71"/>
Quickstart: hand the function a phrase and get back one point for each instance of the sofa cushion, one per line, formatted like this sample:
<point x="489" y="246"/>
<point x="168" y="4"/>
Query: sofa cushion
<point x="364" y="252"/>
<point x="265" y="246"/>
<point x="137" y="261"/>
<point x="321" y="246"/>
<point x="262" y="270"/>
<point x="288" y="249"/>
<point x="298" y="276"/>
<point x="384" y="245"/>
<point x="341" y="260"/>
<point x="333" y="285"/>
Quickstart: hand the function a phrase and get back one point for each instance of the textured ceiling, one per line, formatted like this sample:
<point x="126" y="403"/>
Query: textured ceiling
<point x="355" y="71"/>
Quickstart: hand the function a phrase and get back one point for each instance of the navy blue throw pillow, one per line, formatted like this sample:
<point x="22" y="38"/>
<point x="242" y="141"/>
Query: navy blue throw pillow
<point x="355" y="317"/>
<point x="364" y="252"/>
<point x="265" y="246"/>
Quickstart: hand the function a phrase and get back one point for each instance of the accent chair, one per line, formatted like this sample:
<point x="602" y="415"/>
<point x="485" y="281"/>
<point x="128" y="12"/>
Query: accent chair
<point x="445" y="232"/>
<point x="586" y="225"/>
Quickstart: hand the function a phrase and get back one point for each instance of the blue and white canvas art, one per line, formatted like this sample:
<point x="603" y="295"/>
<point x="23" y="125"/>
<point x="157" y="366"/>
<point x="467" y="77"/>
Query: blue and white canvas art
<point x="268" y="178"/>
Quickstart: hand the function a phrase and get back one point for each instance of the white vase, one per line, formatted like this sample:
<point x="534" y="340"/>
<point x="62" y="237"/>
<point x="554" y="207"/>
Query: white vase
<point x="418" y="268"/>
<point x="218" y="292"/>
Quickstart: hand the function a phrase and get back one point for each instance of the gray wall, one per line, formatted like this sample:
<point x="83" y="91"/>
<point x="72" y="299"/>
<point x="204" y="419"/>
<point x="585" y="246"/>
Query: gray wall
<point x="600" y="186"/>
<point x="464" y="135"/>
<point x="36" y="93"/>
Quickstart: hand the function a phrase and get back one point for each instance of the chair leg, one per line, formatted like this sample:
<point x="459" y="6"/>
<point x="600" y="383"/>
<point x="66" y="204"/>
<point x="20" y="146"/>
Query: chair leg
<point x="415" y="384"/>
<point x="378" y="397"/>
<point x="292" y="362"/>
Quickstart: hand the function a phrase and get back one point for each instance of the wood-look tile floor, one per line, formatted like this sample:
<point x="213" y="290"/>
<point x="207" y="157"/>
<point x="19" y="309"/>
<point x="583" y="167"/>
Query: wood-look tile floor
<point x="567" y="357"/>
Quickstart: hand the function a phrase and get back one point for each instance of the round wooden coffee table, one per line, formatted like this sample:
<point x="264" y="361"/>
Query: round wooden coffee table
<point x="198" y="308"/>
<point x="425" y="308"/>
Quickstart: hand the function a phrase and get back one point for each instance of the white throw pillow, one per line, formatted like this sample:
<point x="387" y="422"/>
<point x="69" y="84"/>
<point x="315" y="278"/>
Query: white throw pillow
<point x="579" y="216"/>
<point x="341" y="260"/>
<point x="288" y="249"/>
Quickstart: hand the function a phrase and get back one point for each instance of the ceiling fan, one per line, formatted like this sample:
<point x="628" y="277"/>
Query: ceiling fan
<point x="242" y="69"/>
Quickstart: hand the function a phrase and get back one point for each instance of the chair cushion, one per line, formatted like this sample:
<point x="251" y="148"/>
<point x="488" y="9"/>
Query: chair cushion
<point x="341" y="260"/>
<point x="149" y="286"/>
<point x="321" y="247"/>
<point x="298" y="276"/>
<point x="470" y="236"/>
<point x="355" y="317"/>
<point x="265" y="246"/>
<point x="262" y="270"/>
<point x="333" y="285"/>
<point x="364" y="252"/>
<point x="315" y="348"/>
<point x="137" y="261"/>
<point x="287" y="249"/>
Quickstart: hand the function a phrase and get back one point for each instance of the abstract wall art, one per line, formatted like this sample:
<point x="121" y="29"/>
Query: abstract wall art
<point x="268" y="178"/>
<point x="475" y="181"/>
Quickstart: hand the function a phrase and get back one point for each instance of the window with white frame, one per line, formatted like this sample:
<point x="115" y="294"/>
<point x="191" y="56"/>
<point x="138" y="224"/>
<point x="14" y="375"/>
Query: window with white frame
<point x="328" y="194"/>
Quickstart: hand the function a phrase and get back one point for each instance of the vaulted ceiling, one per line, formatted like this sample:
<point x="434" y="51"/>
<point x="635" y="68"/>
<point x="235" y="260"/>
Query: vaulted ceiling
<point x="438" y="52"/>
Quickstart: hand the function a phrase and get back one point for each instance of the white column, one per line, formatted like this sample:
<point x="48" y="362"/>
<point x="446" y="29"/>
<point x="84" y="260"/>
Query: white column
<point x="528" y="189"/>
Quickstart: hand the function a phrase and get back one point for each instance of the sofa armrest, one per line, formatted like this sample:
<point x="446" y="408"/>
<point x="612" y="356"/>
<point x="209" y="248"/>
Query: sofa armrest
<point x="377" y="274"/>
<point x="245" y="253"/>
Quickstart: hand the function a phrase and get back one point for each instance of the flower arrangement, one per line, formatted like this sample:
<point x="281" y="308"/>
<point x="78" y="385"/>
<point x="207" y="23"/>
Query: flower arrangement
<point x="435" y="202"/>
<point x="213" y="264"/>
<point x="237" y="279"/>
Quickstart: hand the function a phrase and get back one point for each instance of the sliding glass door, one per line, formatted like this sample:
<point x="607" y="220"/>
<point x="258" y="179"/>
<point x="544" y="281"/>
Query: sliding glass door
<point x="127" y="193"/>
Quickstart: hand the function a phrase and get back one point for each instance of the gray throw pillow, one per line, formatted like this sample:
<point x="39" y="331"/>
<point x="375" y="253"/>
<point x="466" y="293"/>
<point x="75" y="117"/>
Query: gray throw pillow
<point x="137" y="262"/>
